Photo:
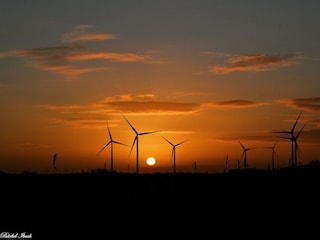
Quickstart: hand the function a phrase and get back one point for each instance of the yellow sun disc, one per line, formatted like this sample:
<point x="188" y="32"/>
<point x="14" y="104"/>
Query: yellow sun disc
<point x="150" y="161"/>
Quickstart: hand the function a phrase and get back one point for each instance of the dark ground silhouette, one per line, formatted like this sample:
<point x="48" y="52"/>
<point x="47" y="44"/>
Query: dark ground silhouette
<point x="46" y="203"/>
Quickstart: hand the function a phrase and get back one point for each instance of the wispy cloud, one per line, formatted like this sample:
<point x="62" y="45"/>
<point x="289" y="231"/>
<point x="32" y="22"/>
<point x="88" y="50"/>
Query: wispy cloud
<point x="233" y="103"/>
<point x="80" y="122"/>
<point x="255" y="63"/>
<point x="81" y="34"/>
<point x="307" y="104"/>
<point x="261" y="139"/>
<point x="63" y="59"/>
<point x="141" y="104"/>
<point x="313" y="122"/>
<point x="113" y="56"/>
<point x="5" y="54"/>
<point x="92" y="114"/>
<point x="153" y="107"/>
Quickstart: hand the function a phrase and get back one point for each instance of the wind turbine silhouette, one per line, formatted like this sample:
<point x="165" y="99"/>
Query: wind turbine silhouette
<point x="173" y="154"/>
<point x="111" y="142"/>
<point x="292" y="138"/>
<point x="296" y="146"/>
<point x="273" y="153"/>
<point x="136" y="141"/>
<point x="54" y="159"/>
<point x="244" y="154"/>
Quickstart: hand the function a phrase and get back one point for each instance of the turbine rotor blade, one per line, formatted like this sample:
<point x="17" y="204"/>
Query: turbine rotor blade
<point x="103" y="148"/>
<point x="134" y="141"/>
<point x="286" y="138"/>
<point x="130" y="125"/>
<point x="294" y="125"/>
<point x="144" y="133"/>
<point x="248" y="149"/>
<point x="241" y="144"/>
<point x="300" y="131"/>
<point x="181" y="143"/>
<point x="168" y="141"/>
<point x="109" y="131"/>
<point x="283" y="132"/>
<point x="119" y="143"/>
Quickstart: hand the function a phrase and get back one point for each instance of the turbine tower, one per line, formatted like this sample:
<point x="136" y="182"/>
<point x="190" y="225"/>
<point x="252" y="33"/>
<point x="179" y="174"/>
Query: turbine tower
<point x="273" y="153"/>
<point x="111" y="142"/>
<point x="292" y="138"/>
<point x="244" y="154"/>
<point x="173" y="154"/>
<point x="136" y="141"/>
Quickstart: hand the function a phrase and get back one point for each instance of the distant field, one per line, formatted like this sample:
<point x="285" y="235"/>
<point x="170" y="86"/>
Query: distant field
<point x="160" y="190"/>
<point x="86" y="196"/>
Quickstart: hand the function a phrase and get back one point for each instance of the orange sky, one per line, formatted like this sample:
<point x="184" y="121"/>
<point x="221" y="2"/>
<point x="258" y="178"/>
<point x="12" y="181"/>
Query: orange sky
<point x="212" y="73"/>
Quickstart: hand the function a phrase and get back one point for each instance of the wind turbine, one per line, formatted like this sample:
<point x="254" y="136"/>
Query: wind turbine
<point x="54" y="159"/>
<point x="136" y="141"/>
<point x="111" y="142"/>
<point x="292" y="138"/>
<point x="244" y="154"/>
<point x="173" y="154"/>
<point x="273" y="153"/>
<point x="296" y="146"/>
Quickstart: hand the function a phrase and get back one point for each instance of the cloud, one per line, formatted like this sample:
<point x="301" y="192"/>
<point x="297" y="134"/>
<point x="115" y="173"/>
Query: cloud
<point x="68" y="69"/>
<point x="81" y="35"/>
<point x="127" y="97"/>
<point x="153" y="107"/>
<point x="314" y="122"/>
<point x="255" y="63"/>
<point x="92" y="114"/>
<point x="261" y="139"/>
<point x="64" y="59"/>
<point x="310" y="136"/>
<point x="5" y="54"/>
<point x="234" y="103"/>
<point x="85" y="37"/>
<point x="113" y="56"/>
<point x="307" y="104"/>
<point x="143" y="104"/>
<point x="80" y="122"/>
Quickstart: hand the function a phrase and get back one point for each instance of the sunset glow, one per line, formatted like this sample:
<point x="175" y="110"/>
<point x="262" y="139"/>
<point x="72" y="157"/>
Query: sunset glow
<point x="210" y="72"/>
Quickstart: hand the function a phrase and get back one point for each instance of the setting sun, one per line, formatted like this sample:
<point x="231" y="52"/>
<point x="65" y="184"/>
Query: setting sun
<point x="151" y="161"/>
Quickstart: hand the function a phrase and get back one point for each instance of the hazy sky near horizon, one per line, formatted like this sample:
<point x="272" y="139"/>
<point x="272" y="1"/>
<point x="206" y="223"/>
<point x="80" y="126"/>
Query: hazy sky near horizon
<point x="210" y="72"/>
